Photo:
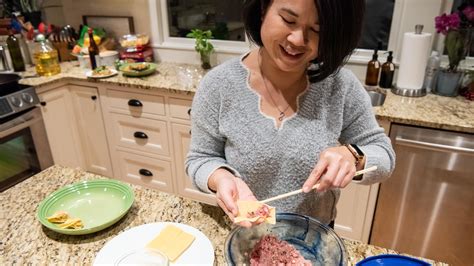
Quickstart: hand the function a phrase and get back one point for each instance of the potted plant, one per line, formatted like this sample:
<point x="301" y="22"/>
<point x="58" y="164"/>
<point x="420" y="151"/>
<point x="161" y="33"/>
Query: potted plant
<point x="203" y="46"/>
<point x="457" y="27"/>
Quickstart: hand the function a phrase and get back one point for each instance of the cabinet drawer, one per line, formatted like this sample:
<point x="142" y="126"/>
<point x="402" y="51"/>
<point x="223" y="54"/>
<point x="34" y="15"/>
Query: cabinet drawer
<point x="145" y="171"/>
<point x="148" y="135"/>
<point x="136" y="104"/>
<point x="180" y="108"/>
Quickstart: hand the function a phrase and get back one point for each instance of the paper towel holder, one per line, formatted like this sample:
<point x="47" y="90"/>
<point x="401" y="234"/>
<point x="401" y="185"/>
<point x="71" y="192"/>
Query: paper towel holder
<point x="411" y="92"/>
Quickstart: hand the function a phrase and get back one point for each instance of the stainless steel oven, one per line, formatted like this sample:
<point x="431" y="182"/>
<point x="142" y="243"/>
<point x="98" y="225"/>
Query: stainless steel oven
<point x="24" y="147"/>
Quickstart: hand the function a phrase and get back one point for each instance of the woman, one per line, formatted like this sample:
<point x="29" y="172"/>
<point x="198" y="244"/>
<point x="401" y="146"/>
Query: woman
<point x="275" y="119"/>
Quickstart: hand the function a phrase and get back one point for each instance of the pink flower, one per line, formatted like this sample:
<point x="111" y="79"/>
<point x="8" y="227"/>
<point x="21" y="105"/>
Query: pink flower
<point x="469" y="13"/>
<point x="445" y="23"/>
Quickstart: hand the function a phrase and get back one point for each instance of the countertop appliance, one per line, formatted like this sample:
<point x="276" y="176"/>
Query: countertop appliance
<point x="426" y="208"/>
<point x="24" y="146"/>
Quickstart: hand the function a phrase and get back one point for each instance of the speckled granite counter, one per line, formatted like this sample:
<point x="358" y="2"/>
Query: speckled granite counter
<point x="25" y="241"/>
<point x="433" y="111"/>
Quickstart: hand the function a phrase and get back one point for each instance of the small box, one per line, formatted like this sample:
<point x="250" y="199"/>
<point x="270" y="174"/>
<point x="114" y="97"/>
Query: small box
<point x="146" y="55"/>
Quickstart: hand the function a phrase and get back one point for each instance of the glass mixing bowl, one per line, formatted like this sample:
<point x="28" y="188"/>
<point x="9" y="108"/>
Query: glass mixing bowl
<point x="315" y="241"/>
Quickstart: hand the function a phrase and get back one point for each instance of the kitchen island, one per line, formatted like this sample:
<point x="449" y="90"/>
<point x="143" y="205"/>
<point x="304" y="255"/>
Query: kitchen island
<point x="25" y="241"/>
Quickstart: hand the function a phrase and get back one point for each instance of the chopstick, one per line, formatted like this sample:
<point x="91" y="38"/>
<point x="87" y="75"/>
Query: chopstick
<point x="370" y="169"/>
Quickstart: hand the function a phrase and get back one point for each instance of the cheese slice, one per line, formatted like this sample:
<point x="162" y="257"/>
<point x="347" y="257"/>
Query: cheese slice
<point x="172" y="241"/>
<point x="247" y="206"/>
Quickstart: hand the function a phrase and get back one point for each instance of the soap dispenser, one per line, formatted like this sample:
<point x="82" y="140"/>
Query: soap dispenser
<point x="386" y="75"/>
<point x="373" y="69"/>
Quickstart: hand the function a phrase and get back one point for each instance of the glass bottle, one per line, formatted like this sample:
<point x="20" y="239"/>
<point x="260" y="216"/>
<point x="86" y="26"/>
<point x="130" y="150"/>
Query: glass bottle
<point x="15" y="53"/>
<point x="93" y="49"/>
<point x="386" y="75"/>
<point x="373" y="70"/>
<point x="46" y="58"/>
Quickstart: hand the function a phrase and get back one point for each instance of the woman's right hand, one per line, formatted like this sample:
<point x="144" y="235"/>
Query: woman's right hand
<point x="229" y="189"/>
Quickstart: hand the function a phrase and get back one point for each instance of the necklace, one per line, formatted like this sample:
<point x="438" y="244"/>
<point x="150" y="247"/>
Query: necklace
<point x="282" y="113"/>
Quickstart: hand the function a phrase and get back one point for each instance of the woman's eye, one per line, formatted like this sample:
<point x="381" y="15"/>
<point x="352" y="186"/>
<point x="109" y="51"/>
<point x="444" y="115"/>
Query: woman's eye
<point x="287" y="21"/>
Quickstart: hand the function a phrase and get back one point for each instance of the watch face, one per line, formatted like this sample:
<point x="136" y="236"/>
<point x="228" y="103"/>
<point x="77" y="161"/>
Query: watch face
<point x="358" y="150"/>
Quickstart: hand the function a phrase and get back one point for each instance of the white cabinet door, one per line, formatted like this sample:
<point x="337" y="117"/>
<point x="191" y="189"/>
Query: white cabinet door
<point x="185" y="188"/>
<point x="91" y="129"/>
<point x="61" y="129"/>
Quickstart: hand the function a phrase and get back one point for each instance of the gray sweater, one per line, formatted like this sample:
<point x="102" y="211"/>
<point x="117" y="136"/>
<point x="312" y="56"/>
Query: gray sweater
<point x="228" y="130"/>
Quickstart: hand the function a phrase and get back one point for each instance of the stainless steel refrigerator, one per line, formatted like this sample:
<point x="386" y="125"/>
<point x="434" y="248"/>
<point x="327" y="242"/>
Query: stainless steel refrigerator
<point x="426" y="208"/>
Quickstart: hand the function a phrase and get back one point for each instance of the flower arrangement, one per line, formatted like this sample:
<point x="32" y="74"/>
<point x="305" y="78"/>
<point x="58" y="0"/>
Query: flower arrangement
<point x="457" y="27"/>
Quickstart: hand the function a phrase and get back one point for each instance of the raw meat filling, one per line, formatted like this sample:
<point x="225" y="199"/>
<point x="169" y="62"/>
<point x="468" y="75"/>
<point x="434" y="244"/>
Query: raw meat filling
<point x="270" y="250"/>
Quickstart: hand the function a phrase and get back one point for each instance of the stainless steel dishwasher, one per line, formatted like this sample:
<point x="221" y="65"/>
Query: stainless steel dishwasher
<point x="426" y="208"/>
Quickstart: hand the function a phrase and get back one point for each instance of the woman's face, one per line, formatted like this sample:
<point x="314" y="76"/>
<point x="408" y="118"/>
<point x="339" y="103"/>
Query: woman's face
<point x="290" y="33"/>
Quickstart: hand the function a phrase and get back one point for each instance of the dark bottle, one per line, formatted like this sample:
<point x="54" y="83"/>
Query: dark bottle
<point x="386" y="75"/>
<point x="373" y="69"/>
<point x="15" y="53"/>
<point x="93" y="49"/>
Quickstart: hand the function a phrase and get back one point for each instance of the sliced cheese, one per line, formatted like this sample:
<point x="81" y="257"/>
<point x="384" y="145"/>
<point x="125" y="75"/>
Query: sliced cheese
<point x="247" y="206"/>
<point x="172" y="241"/>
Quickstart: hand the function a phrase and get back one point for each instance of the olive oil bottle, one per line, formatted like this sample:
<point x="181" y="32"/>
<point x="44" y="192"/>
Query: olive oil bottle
<point x="46" y="58"/>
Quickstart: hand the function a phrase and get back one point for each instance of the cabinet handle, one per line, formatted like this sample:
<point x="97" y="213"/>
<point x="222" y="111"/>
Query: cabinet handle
<point x="93" y="97"/>
<point x="190" y="132"/>
<point x="43" y="103"/>
<point x="189" y="111"/>
<point x="135" y="103"/>
<point x="145" y="172"/>
<point x="140" y="135"/>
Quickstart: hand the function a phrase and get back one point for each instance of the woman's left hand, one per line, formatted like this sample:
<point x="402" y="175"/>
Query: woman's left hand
<point x="335" y="169"/>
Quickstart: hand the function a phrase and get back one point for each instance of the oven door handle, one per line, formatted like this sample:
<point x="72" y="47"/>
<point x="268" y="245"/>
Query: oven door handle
<point x="432" y="146"/>
<point x="20" y="123"/>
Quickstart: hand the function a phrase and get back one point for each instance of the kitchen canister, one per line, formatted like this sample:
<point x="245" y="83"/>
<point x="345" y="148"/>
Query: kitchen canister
<point x="416" y="49"/>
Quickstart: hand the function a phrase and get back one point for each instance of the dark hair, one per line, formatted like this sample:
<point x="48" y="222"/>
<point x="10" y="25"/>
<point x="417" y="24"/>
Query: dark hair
<point x="340" y="29"/>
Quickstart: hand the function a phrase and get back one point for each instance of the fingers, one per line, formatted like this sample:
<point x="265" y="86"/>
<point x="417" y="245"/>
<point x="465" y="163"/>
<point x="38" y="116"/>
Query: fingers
<point x="315" y="175"/>
<point x="341" y="178"/>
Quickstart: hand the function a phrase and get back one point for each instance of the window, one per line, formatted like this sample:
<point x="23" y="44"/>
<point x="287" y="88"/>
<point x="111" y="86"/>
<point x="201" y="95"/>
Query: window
<point x="221" y="17"/>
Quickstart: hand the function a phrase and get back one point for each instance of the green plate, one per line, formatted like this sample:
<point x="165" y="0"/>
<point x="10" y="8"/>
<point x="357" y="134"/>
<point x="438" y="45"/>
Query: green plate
<point x="98" y="203"/>
<point x="132" y="73"/>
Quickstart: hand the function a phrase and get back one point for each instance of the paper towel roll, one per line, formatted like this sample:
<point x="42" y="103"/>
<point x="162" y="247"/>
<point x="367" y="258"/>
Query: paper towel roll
<point x="416" y="49"/>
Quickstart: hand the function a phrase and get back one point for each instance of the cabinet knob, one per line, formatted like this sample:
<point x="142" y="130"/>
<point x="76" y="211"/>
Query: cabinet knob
<point x="135" y="103"/>
<point x="190" y="132"/>
<point x="145" y="172"/>
<point x="93" y="97"/>
<point x="140" y="135"/>
<point x="189" y="111"/>
<point x="43" y="103"/>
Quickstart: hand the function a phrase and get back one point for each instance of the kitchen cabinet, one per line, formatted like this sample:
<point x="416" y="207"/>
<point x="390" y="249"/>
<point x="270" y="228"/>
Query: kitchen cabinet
<point x="88" y="112"/>
<point x="139" y="139"/>
<point x="75" y="128"/>
<point x="61" y="126"/>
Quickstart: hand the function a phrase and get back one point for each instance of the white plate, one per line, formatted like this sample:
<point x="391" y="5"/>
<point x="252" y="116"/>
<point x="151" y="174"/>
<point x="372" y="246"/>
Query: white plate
<point x="200" y="252"/>
<point x="89" y="74"/>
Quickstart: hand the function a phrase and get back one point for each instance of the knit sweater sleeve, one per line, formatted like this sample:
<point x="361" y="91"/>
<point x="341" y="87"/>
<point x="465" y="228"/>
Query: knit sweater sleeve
<point x="206" y="153"/>
<point x="361" y="128"/>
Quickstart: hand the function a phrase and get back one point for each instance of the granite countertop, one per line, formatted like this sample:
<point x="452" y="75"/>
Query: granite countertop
<point x="450" y="113"/>
<point x="25" y="241"/>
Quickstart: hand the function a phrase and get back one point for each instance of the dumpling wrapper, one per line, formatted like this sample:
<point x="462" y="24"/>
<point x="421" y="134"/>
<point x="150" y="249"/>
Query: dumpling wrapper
<point x="58" y="217"/>
<point x="74" y="223"/>
<point x="248" y="206"/>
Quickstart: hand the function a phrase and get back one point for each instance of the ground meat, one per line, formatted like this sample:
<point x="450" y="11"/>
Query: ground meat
<point x="263" y="212"/>
<point x="270" y="250"/>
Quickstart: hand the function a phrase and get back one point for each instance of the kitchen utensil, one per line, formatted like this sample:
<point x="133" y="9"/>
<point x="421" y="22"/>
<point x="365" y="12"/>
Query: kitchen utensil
<point x="315" y="241"/>
<point x="201" y="251"/>
<point x="128" y="71"/>
<point x="391" y="260"/>
<point x="370" y="169"/>
<point x="98" y="203"/>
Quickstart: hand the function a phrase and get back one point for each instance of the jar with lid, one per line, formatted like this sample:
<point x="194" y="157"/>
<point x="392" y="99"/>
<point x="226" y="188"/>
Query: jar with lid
<point x="46" y="57"/>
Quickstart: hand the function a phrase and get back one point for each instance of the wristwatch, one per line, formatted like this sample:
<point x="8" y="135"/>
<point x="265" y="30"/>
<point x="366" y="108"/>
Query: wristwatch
<point x="358" y="155"/>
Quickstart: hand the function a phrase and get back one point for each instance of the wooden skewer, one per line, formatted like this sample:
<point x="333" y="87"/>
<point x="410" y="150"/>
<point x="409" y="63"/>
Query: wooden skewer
<point x="370" y="169"/>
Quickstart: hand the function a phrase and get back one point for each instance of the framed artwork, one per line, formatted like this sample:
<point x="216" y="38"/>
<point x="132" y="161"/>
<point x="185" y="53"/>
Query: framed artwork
<point x="115" y="26"/>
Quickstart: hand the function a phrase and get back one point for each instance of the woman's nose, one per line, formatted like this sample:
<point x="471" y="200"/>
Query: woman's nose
<point x="298" y="37"/>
